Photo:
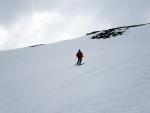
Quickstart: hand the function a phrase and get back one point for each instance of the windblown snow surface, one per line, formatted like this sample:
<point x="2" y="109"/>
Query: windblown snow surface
<point x="114" y="79"/>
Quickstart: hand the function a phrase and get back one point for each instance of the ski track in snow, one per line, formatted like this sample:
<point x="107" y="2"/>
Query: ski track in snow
<point x="114" y="79"/>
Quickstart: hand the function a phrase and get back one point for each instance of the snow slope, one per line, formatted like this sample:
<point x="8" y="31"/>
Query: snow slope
<point x="114" y="79"/>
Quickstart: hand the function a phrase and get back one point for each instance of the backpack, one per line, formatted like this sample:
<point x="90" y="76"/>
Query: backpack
<point x="79" y="54"/>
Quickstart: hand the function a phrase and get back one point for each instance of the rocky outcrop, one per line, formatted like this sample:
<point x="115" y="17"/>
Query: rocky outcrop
<point x="111" y="32"/>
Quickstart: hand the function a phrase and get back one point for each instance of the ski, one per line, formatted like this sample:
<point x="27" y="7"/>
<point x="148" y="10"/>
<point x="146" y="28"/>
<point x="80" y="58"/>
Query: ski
<point x="80" y="64"/>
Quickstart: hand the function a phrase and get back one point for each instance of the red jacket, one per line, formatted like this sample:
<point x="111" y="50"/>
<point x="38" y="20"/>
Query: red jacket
<point x="79" y="55"/>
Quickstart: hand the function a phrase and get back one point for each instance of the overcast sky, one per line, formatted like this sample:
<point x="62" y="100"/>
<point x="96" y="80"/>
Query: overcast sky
<point x="30" y="22"/>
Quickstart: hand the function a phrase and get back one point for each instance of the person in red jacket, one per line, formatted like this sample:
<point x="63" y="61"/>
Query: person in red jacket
<point x="79" y="55"/>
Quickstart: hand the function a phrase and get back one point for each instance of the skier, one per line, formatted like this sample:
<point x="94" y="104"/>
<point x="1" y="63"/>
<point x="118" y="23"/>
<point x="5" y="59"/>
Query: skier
<point x="79" y="55"/>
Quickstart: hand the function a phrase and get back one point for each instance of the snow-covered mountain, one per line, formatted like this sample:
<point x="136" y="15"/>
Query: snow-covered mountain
<point x="114" y="79"/>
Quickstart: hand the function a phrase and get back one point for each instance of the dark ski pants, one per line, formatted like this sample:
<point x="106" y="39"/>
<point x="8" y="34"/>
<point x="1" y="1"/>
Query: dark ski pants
<point x="79" y="61"/>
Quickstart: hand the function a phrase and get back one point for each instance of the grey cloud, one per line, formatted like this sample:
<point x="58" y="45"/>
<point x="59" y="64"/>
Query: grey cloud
<point x="128" y="12"/>
<point x="10" y="9"/>
<point x="90" y="15"/>
<point x="115" y="11"/>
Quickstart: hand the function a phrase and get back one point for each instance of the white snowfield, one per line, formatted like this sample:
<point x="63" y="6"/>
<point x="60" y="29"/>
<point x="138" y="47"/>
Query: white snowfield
<point x="114" y="79"/>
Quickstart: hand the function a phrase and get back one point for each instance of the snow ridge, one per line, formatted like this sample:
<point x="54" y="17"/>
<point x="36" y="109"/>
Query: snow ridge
<point x="114" y="79"/>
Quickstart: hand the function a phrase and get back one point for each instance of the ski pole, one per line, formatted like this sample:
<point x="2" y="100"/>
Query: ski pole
<point x="75" y="60"/>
